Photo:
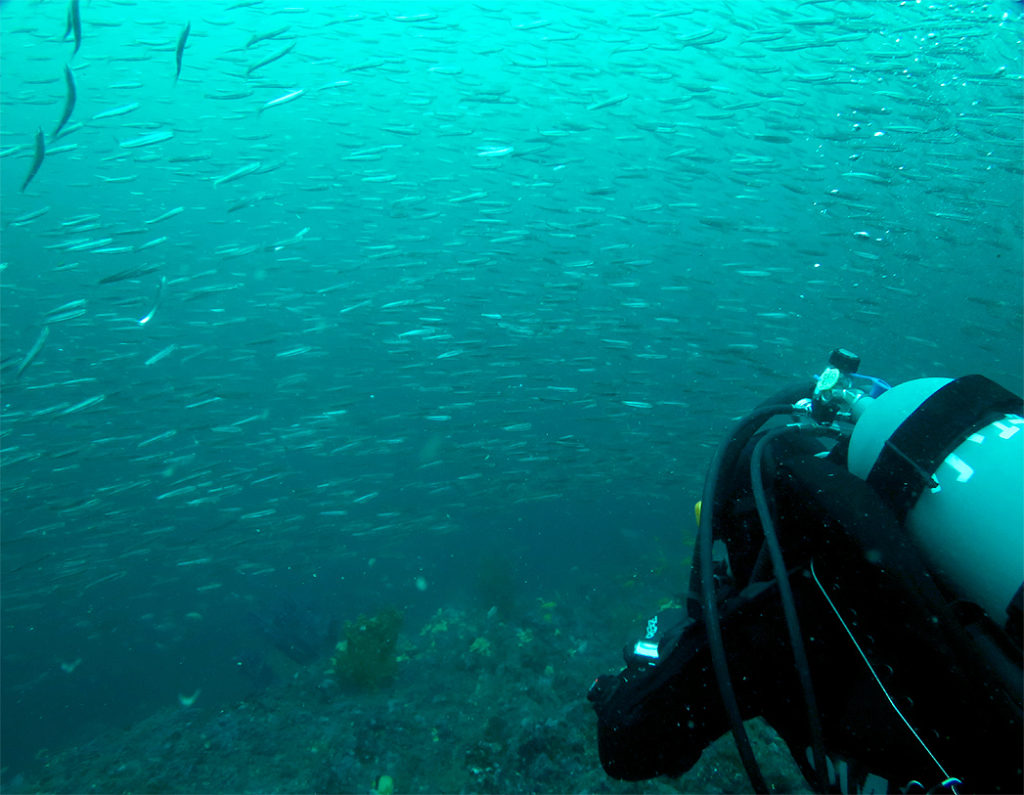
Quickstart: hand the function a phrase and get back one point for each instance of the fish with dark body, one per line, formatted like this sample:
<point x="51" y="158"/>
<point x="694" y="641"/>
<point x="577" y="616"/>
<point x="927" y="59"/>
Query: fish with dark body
<point x="74" y="25"/>
<point x="37" y="159"/>
<point x="69" y="102"/>
<point x="180" y="50"/>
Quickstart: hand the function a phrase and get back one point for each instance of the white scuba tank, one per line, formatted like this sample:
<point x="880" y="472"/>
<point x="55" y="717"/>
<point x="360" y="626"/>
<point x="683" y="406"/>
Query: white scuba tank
<point x="969" y="521"/>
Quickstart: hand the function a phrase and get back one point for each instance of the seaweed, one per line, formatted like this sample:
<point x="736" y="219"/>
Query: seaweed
<point x="366" y="656"/>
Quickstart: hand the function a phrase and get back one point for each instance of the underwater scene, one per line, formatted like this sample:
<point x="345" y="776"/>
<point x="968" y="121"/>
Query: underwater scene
<point x="362" y="362"/>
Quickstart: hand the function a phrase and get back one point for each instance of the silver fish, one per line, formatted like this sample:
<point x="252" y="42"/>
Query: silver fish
<point x="33" y="352"/>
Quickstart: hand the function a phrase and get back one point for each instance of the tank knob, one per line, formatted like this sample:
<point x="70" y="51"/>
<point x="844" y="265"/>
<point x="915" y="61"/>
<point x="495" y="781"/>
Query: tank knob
<point x="844" y="361"/>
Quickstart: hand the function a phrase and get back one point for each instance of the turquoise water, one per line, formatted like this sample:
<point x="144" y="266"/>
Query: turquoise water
<point x="369" y="304"/>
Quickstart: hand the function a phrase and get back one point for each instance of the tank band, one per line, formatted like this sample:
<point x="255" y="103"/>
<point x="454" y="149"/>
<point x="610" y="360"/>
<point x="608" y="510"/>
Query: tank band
<point x="914" y="451"/>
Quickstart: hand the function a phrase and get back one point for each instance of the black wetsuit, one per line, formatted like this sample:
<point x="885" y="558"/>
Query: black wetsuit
<point x="954" y="674"/>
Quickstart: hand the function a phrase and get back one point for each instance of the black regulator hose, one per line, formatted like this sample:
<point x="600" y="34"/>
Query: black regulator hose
<point x="796" y="642"/>
<point x="725" y="460"/>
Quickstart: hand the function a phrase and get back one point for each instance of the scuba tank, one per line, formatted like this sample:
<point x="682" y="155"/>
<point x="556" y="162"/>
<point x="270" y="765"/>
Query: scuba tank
<point x="947" y="455"/>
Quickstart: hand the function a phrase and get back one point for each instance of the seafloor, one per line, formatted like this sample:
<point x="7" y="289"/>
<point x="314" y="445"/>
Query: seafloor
<point x="475" y="704"/>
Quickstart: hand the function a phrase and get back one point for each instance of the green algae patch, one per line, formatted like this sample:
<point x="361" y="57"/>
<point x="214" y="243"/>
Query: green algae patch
<point x="366" y="657"/>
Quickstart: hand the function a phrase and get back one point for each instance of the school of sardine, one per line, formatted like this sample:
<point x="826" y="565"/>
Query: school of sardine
<point x="281" y="278"/>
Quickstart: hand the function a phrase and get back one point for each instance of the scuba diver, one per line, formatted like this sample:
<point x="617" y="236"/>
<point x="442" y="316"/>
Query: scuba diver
<point x="857" y="582"/>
